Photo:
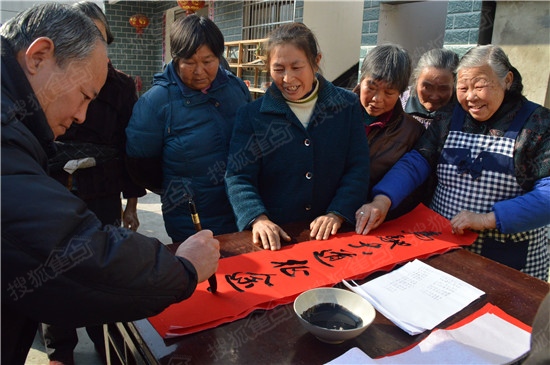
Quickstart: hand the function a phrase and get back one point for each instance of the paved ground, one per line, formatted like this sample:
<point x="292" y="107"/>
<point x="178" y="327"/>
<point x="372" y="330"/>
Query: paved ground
<point x="151" y="224"/>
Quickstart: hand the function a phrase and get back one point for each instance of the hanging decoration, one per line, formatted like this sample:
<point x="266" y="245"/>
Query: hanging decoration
<point x="211" y="9"/>
<point x="191" y="7"/>
<point x="140" y="22"/>
<point x="139" y="83"/>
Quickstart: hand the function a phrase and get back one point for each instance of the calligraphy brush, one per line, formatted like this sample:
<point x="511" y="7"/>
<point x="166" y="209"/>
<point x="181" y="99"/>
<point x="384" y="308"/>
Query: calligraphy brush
<point x="197" y="223"/>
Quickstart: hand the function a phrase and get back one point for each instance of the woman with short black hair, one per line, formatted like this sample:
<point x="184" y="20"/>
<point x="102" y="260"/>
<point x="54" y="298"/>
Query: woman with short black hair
<point x="178" y="136"/>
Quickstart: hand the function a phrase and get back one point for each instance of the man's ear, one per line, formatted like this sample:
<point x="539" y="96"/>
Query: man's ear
<point x="38" y="53"/>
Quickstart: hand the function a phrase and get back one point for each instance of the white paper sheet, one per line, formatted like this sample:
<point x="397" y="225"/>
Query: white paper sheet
<point x="488" y="339"/>
<point x="417" y="297"/>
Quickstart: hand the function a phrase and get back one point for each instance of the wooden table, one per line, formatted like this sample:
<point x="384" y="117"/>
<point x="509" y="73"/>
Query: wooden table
<point x="276" y="336"/>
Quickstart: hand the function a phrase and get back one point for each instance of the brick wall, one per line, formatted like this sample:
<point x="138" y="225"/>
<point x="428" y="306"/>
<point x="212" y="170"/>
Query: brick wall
<point x="141" y="55"/>
<point x="137" y="55"/>
<point x="462" y="26"/>
<point x="371" y="14"/>
<point x="228" y="16"/>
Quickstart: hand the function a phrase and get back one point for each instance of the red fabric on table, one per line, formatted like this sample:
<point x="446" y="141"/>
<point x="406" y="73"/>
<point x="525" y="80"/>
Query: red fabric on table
<point x="266" y="279"/>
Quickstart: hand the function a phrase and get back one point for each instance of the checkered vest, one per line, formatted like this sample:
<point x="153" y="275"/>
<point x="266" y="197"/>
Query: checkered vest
<point x="474" y="172"/>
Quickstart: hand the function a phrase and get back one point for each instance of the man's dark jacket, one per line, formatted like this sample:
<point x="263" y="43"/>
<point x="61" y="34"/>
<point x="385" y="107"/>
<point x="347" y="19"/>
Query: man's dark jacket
<point x="103" y="137"/>
<point x="58" y="266"/>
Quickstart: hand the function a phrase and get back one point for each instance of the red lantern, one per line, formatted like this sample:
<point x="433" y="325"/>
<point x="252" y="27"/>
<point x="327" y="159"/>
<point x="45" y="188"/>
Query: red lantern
<point x="139" y="21"/>
<point x="191" y="7"/>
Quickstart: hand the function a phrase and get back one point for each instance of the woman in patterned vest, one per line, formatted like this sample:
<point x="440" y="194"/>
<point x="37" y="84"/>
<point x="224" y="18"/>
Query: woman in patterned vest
<point x="491" y="155"/>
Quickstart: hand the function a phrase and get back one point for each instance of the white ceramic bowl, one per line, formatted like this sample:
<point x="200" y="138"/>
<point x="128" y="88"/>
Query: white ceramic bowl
<point x="359" y="307"/>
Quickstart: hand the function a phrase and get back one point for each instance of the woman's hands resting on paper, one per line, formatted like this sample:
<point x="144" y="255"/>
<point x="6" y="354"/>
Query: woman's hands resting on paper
<point x="475" y="221"/>
<point x="268" y="235"/>
<point x="373" y="214"/>
<point x="324" y="226"/>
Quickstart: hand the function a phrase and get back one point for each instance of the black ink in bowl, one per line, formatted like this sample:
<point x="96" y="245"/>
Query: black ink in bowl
<point x="332" y="316"/>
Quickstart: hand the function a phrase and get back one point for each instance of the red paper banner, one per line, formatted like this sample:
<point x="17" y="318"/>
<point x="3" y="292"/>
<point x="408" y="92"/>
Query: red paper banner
<point x="266" y="279"/>
<point x="491" y="309"/>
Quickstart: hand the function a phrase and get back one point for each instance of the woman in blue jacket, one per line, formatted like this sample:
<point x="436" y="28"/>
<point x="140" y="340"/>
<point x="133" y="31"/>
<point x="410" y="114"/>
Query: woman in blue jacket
<point x="178" y="136"/>
<point x="299" y="153"/>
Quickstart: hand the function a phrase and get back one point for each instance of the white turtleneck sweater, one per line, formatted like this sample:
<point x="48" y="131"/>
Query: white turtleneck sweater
<point x="303" y="108"/>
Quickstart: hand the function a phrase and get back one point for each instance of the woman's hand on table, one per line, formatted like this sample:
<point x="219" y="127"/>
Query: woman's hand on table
<point x="203" y="251"/>
<point x="473" y="221"/>
<point x="324" y="226"/>
<point x="371" y="215"/>
<point x="267" y="234"/>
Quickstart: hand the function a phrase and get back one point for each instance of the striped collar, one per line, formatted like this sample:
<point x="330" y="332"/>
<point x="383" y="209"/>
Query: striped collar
<point x="308" y="97"/>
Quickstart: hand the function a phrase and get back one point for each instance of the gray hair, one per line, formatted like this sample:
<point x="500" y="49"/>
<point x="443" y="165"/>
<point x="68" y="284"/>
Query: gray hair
<point x="390" y="63"/>
<point x="93" y="11"/>
<point x="494" y="57"/>
<point x="439" y="58"/>
<point x="73" y="34"/>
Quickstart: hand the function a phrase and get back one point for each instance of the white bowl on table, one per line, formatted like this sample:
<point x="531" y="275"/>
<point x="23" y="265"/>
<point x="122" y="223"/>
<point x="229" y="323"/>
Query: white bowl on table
<point x="339" y="314"/>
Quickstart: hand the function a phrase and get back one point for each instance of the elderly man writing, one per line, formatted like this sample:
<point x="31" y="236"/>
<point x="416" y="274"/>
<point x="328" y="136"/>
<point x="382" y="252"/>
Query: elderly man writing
<point x="55" y="255"/>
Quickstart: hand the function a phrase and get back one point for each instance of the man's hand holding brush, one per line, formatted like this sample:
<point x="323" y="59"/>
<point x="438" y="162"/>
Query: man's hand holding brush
<point x="203" y="251"/>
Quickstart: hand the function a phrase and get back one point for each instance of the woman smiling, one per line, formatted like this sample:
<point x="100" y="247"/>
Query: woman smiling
<point x="491" y="155"/>
<point x="299" y="153"/>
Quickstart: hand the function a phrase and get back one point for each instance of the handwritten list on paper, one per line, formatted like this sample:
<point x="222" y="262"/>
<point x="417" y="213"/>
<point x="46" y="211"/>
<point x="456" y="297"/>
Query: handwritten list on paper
<point x="417" y="297"/>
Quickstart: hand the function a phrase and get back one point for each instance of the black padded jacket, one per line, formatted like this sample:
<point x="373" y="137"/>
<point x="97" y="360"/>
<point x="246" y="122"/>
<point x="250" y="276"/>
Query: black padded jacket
<point x="58" y="265"/>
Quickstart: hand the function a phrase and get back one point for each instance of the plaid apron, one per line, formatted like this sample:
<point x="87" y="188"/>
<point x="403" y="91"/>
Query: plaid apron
<point x="476" y="171"/>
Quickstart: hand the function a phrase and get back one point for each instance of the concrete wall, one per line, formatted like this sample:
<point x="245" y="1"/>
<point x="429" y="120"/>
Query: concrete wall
<point x="421" y="25"/>
<point x="10" y="8"/>
<point x="522" y="29"/>
<point x="337" y="26"/>
<point x="418" y="26"/>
